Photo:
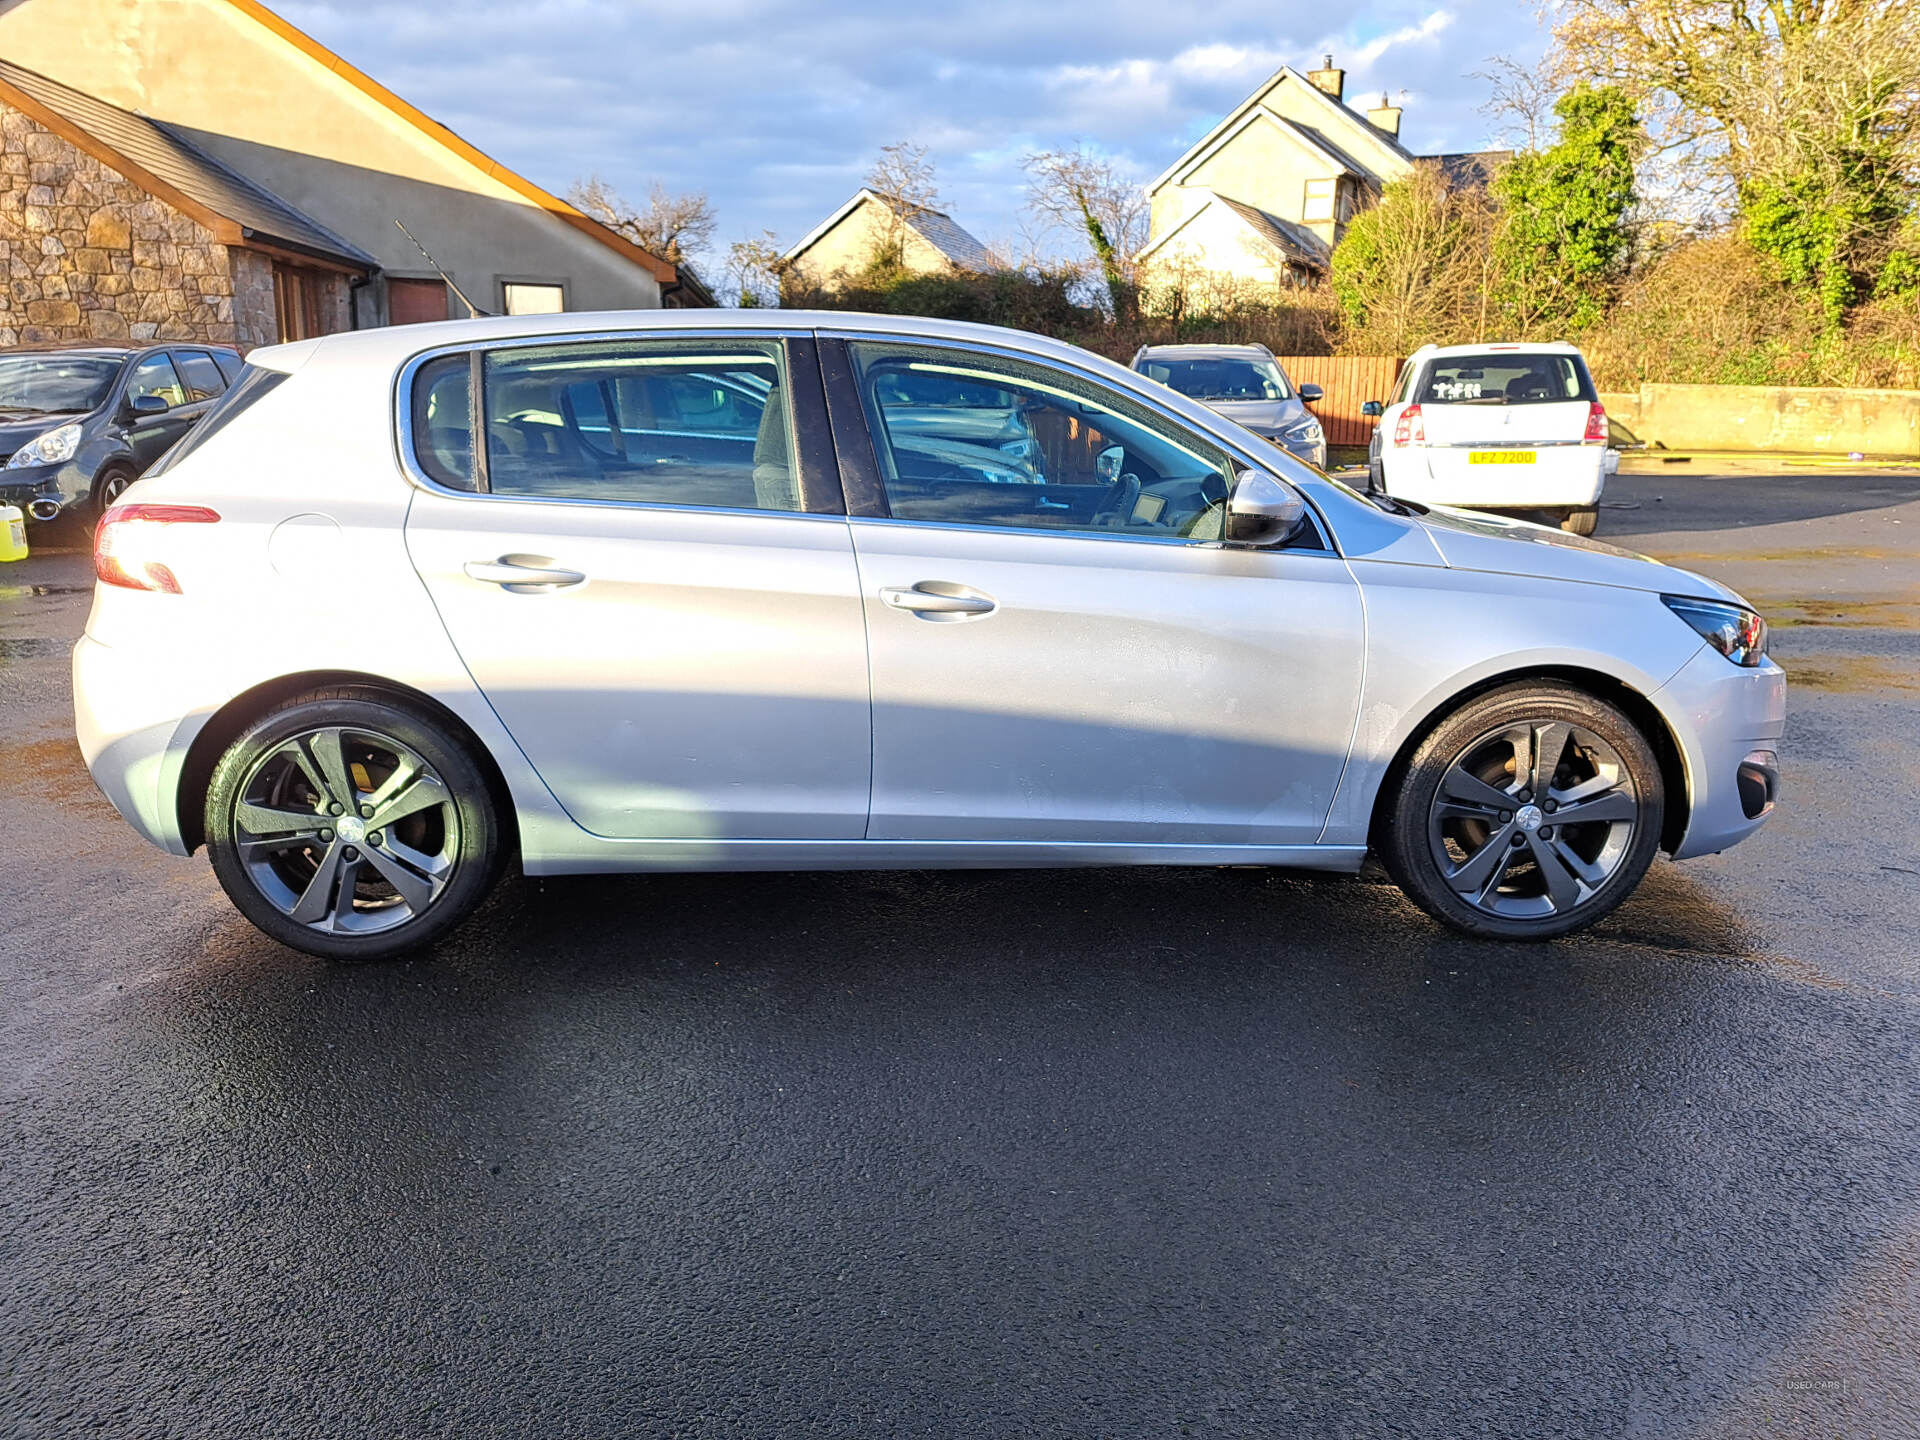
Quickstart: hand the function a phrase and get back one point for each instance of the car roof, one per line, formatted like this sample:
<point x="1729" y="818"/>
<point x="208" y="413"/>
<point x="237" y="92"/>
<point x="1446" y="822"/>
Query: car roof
<point x="1497" y="347"/>
<point x="109" y="350"/>
<point x="1200" y="352"/>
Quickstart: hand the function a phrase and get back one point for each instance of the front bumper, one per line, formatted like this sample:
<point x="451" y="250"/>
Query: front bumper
<point x="1728" y="721"/>
<point x="28" y="486"/>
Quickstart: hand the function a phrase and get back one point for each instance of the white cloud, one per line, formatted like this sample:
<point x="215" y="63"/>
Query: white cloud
<point x="776" y="108"/>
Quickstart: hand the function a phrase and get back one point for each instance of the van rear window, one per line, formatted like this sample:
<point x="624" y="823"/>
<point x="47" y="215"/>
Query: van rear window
<point x="1506" y="378"/>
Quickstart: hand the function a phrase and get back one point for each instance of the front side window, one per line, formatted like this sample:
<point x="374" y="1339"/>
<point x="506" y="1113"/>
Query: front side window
<point x="1506" y="378"/>
<point x="155" y="376"/>
<point x="1221" y="377"/>
<point x="971" y="439"/>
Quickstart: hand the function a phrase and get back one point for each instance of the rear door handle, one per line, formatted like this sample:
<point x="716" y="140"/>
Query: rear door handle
<point x="938" y="598"/>
<point x="522" y="574"/>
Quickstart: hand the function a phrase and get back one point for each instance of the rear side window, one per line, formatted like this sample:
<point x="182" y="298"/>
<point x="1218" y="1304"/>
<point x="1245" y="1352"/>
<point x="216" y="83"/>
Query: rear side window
<point x="200" y="375"/>
<point x="254" y="385"/>
<point x="701" y="422"/>
<point x="443" y="421"/>
<point x="1506" y="378"/>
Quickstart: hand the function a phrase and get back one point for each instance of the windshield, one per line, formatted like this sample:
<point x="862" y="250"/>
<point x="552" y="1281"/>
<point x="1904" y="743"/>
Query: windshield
<point x="1219" y="377"/>
<point x="54" y="384"/>
<point x="1506" y="379"/>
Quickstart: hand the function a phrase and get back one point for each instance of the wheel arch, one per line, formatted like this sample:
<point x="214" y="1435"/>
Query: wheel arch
<point x="1601" y="686"/>
<point x="227" y="724"/>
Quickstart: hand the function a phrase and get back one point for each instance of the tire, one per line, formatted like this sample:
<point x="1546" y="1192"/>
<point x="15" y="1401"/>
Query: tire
<point x="1582" y="521"/>
<point x="108" y="486"/>
<point x="1376" y="478"/>
<point x="286" y="856"/>
<point x="1447" y="845"/>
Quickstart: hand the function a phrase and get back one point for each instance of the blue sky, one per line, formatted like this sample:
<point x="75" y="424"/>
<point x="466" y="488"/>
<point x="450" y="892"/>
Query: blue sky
<point x="776" y="110"/>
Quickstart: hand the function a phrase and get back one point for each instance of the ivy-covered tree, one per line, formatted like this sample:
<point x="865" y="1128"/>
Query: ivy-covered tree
<point x="1563" y="236"/>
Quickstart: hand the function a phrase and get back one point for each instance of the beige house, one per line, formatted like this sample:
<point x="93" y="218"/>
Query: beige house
<point x="1263" y="197"/>
<point x="845" y="244"/>
<point x="242" y="182"/>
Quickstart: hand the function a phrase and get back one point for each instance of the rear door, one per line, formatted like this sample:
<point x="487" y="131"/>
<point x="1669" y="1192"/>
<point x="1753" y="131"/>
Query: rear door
<point x="668" y="624"/>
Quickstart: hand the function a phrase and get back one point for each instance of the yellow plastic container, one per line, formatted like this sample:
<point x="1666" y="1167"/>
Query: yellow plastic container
<point x="13" y="533"/>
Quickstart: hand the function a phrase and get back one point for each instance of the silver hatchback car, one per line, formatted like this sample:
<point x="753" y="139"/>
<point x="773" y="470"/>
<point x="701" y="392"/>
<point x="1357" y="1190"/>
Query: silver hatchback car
<point x="734" y="591"/>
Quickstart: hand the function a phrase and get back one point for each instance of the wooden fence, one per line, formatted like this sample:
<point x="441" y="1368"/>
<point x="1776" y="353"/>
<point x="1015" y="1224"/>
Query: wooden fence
<point x="1349" y="382"/>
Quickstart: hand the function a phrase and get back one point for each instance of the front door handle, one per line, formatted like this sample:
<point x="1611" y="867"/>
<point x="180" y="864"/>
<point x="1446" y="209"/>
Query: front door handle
<point x="523" y="574"/>
<point x="938" y="599"/>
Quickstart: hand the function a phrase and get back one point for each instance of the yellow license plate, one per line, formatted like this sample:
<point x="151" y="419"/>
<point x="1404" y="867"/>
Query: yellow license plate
<point x="1500" y="457"/>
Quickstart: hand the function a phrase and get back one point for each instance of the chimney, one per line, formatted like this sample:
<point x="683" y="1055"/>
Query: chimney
<point x="1326" y="78"/>
<point x="1385" y="118"/>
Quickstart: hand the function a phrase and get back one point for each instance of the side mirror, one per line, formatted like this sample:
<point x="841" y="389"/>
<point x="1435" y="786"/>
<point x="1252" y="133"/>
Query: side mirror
<point x="1108" y="462"/>
<point x="1373" y="409"/>
<point x="1311" y="393"/>
<point x="144" y="405"/>
<point x="1262" y="511"/>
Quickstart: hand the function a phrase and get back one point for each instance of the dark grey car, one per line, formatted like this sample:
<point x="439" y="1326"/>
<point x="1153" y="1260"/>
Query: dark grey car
<point x="80" y="423"/>
<point x="1247" y="385"/>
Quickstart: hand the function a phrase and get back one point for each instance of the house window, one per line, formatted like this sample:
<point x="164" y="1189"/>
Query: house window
<point x="1320" y="201"/>
<point x="526" y="298"/>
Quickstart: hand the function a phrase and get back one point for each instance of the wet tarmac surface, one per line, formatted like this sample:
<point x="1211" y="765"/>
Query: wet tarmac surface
<point x="1010" y="1154"/>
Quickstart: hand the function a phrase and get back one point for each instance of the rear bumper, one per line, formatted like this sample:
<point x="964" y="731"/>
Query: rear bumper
<point x="1729" y="721"/>
<point x="126" y="715"/>
<point x="1562" y="477"/>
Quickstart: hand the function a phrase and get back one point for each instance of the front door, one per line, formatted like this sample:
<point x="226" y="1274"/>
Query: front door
<point x="151" y="436"/>
<point x="637" y="571"/>
<point x="1062" y="649"/>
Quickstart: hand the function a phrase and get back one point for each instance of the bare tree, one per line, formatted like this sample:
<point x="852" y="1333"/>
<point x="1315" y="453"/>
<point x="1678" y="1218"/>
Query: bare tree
<point x="1519" y="101"/>
<point x="756" y="271"/>
<point x="903" y="177"/>
<point x="677" y="228"/>
<point x="1085" y="192"/>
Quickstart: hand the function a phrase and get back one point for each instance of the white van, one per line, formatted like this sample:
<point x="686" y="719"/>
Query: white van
<point x="1495" y="427"/>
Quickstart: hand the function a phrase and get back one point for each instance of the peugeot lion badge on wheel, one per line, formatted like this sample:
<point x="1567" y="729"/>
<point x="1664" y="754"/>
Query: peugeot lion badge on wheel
<point x="735" y="591"/>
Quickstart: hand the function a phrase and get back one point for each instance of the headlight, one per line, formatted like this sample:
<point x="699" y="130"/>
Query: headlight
<point x="52" y="447"/>
<point x="1735" y="631"/>
<point x="1304" y="432"/>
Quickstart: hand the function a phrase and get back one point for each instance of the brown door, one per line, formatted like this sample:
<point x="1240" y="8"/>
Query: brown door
<point x="410" y="302"/>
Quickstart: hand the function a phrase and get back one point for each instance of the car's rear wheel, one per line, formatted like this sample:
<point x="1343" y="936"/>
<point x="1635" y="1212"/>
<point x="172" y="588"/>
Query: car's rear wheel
<point x="349" y="825"/>
<point x="1529" y="812"/>
<point x="1581" y="521"/>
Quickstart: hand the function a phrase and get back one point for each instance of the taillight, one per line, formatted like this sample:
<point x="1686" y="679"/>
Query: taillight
<point x="1596" y="425"/>
<point x="1410" y="428"/>
<point x="130" y="543"/>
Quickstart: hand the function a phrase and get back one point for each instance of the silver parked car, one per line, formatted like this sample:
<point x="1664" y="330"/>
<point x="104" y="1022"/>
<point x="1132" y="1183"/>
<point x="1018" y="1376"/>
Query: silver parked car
<point x="1246" y="384"/>
<point x="727" y="590"/>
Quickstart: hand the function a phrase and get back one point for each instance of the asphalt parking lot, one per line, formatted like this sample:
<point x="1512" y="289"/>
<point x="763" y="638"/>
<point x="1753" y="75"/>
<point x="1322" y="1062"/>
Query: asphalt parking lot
<point x="1004" y="1154"/>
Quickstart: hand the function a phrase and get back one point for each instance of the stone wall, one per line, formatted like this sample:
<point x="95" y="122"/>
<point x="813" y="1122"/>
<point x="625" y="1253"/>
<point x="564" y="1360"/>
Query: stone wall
<point x="88" y="255"/>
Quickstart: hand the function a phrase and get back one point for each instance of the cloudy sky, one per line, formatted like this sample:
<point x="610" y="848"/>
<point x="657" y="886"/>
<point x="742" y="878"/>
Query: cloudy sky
<point x="776" y="109"/>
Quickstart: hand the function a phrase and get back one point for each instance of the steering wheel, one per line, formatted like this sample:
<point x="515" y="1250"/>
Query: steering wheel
<point x="1116" y="509"/>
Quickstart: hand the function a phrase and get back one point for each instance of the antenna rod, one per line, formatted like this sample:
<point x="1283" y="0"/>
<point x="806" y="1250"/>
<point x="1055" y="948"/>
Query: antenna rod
<point x="474" y="312"/>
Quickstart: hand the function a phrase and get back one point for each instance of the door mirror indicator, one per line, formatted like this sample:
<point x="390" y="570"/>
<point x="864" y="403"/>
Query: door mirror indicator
<point x="1262" y="511"/>
<point x="1373" y="409"/>
<point x="1311" y="393"/>
<point x="143" y="406"/>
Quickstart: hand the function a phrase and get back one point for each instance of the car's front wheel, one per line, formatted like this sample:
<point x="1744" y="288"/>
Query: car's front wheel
<point x="1529" y="812"/>
<point x="352" y="826"/>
